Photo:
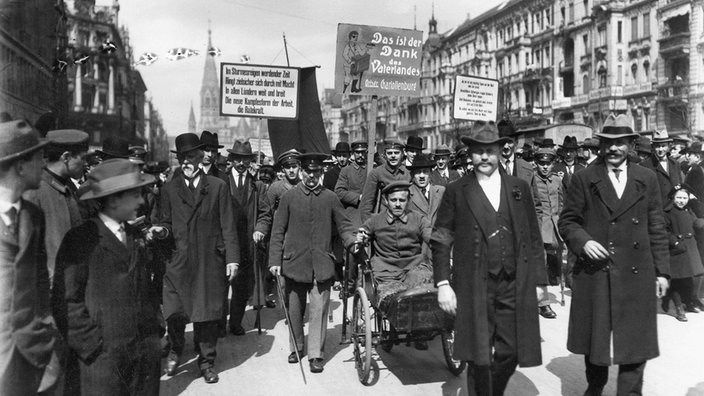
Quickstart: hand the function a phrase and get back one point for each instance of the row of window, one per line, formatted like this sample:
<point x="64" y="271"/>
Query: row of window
<point x="23" y="78"/>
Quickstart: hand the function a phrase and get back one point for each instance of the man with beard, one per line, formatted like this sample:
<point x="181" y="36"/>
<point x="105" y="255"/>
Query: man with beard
<point x="667" y="169"/>
<point x="487" y="224"/>
<point x="381" y="176"/>
<point x="613" y="222"/>
<point x="510" y="164"/>
<point x="351" y="182"/>
<point x="211" y="145"/>
<point x="196" y="209"/>
<point x="569" y="164"/>
<point x="548" y="197"/>
<point x="413" y="147"/>
<point x="442" y="175"/>
<point x="304" y="259"/>
<point x="342" y="155"/>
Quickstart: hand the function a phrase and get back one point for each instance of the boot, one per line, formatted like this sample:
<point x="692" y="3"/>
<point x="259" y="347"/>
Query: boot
<point x="679" y="313"/>
<point x="665" y="304"/>
<point x="354" y="86"/>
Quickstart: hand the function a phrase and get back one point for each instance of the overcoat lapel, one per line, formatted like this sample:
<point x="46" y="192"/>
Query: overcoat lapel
<point x="634" y="192"/>
<point x="605" y="190"/>
<point x="110" y="243"/>
<point x="478" y="203"/>
<point x="511" y="198"/>
<point x="201" y="192"/>
<point x="418" y="199"/>
<point x="183" y="192"/>
<point x="24" y="232"/>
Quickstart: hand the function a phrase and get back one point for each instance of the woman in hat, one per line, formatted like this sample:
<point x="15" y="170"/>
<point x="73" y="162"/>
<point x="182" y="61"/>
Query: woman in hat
<point x="102" y="284"/>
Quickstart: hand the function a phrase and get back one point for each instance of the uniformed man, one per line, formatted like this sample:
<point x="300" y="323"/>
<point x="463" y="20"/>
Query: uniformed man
<point x="392" y="170"/>
<point x="304" y="259"/>
<point x="351" y="182"/>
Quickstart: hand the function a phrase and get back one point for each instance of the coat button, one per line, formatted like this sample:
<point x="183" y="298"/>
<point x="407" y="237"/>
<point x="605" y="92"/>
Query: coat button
<point x="476" y="240"/>
<point x="613" y="222"/>
<point x="635" y="220"/>
<point x="634" y="270"/>
<point x="476" y="227"/>
<point x="606" y="268"/>
<point x="476" y="255"/>
<point x="636" y="245"/>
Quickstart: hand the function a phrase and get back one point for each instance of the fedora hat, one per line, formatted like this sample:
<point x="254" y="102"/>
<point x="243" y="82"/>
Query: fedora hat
<point x="421" y="161"/>
<point x="114" y="147"/>
<point x="414" y="143"/>
<point x="442" y="150"/>
<point x="18" y="138"/>
<point x="694" y="148"/>
<point x="186" y="142"/>
<point x="570" y="142"/>
<point x="210" y="141"/>
<point x="341" y="148"/>
<point x="242" y="149"/>
<point x="616" y="127"/>
<point x="547" y="142"/>
<point x="113" y="176"/>
<point x="661" y="136"/>
<point x="484" y="134"/>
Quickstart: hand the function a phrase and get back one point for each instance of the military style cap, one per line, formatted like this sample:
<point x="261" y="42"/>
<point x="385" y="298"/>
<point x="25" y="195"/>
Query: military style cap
<point x="360" y="146"/>
<point x="312" y="161"/>
<point x="289" y="156"/>
<point x="396" y="186"/>
<point x="393" y="144"/>
<point x="545" y="154"/>
<point x="69" y="138"/>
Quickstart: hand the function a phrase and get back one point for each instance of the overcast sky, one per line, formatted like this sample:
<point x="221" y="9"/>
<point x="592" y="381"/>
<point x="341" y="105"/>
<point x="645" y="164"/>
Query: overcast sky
<point x="255" y="28"/>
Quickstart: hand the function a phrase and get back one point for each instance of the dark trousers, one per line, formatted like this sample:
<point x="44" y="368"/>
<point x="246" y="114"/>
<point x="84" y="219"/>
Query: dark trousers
<point x="205" y="339"/>
<point x="501" y="315"/>
<point x="630" y="378"/>
<point x="132" y="369"/>
<point x="241" y="288"/>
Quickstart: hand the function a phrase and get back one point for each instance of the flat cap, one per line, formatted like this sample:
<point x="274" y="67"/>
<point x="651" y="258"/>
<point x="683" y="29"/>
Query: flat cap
<point x="394" y="186"/>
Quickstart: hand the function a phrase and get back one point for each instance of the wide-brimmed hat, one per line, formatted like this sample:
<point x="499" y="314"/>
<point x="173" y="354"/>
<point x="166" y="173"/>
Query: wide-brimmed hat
<point x="360" y="146"/>
<point x="312" y="161"/>
<point x="694" y="148"/>
<point x="545" y="154"/>
<point x="484" y="134"/>
<point x="114" y="147"/>
<point x="678" y="187"/>
<point x="113" y="176"/>
<point x="547" y="142"/>
<point x="292" y="155"/>
<point x="681" y="139"/>
<point x="570" y="142"/>
<point x="414" y="143"/>
<point x="661" y="136"/>
<point x="68" y="139"/>
<point x="616" y="127"/>
<point x="341" y="148"/>
<point x="242" y="149"/>
<point x="210" y="141"/>
<point x="18" y="138"/>
<point x="442" y="150"/>
<point x="506" y="128"/>
<point x="186" y="142"/>
<point x="421" y="161"/>
<point x="394" y="186"/>
<point x="590" y="143"/>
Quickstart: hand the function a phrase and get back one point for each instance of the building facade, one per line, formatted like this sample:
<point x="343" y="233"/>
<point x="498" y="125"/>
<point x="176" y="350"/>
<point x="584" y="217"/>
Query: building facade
<point x="558" y="61"/>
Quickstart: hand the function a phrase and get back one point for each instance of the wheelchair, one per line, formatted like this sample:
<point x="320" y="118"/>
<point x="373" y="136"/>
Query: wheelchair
<point x="404" y="317"/>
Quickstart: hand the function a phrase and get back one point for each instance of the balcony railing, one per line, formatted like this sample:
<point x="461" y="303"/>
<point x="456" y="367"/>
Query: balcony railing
<point x="675" y="44"/>
<point x="636" y="89"/>
<point x="673" y="90"/>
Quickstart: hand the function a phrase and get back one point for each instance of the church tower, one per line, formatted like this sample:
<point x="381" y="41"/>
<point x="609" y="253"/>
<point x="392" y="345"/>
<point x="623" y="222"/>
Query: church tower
<point x="192" y="121"/>
<point x="210" y="119"/>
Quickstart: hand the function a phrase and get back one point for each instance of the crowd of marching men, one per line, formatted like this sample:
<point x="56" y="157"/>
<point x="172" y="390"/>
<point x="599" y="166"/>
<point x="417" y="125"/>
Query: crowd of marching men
<point x="109" y="256"/>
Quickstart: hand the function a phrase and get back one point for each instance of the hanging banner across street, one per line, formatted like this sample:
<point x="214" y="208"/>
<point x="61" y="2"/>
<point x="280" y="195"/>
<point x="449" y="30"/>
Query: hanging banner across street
<point x="375" y="60"/>
<point x="258" y="91"/>
<point x="476" y="98"/>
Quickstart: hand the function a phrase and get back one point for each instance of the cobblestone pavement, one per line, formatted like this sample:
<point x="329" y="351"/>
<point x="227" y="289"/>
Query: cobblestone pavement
<point x="256" y="364"/>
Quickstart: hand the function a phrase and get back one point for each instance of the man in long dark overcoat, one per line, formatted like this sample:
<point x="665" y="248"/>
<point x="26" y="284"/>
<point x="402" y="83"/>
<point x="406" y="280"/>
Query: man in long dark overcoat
<point x="488" y="218"/>
<point x="613" y="222"/>
<point x="196" y="210"/>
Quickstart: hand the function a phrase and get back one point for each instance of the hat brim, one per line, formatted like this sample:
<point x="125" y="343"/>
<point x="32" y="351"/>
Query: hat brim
<point x="187" y="149"/>
<point x="145" y="179"/>
<point x="666" y="140"/>
<point x="468" y="140"/>
<point x="615" y="135"/>
<point x="111" y="155"/>
<point x="26" y="151"/>
<point x="241" y="154"/>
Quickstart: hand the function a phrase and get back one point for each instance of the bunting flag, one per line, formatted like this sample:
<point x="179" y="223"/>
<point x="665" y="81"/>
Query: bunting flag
<point x="214" y="51"/>
<point x="147" y="59"/>
<point x="307" y="133"/>
<point x="244" y="59"/>
<point x="175" y="54"/>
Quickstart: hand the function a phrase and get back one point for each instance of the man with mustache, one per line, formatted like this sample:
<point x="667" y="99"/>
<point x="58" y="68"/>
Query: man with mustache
<point x="613" y="222"/>
<point x="381" y="176"/>
<point x="211" y="155"/>
<point x="196" y="209"/>
<point x="666" y="169"/>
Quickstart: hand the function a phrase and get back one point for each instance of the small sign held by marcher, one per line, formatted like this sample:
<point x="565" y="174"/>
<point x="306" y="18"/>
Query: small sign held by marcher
<point x="258" y="91"/>
<point x="476" y="98"/>
<point x="375" y="60"/>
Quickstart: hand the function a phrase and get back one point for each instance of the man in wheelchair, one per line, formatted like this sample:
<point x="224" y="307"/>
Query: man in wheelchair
<point x="401" y="257"/>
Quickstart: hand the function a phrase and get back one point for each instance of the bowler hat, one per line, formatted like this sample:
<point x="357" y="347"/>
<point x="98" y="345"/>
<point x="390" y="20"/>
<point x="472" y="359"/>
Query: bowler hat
<point x="292" y="155"/>
<point x="243" y="149"/>
<point x="484" y="134"/>
<point x="570" y="142"/>
<point x="360" y="145"/>
<point x="186" y="142"/>
<point x="616" y="127"/>
<point x="694" y="148"/>
<point x="394" y="186"/>
<point x="421" y="161"/>
<point x="113" y="176"/>
<point x="114" y="147"/>
<point x="18" y="138"/>
<point x="414" y="143"/>
<point x="590" y="143"/>
<point x="506" y="128"/>
<point x="312" y="161"/>
<point x="210" y="141"/>
<point x="547" y="142"/>
<point x="341" y="148"/>
<point x="442" y="150"/>
<point x="661" y="136"/>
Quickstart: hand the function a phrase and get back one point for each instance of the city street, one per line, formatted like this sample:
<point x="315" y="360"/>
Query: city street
<point x="256" y="364"/>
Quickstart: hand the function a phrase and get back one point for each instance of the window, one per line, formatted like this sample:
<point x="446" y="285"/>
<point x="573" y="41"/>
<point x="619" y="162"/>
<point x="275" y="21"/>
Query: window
<point x="547" y="15"/>
<point x="571" y="15"/>
<point x="646" y="69"/>
<point x="562" y="13"/>
<point x="646" y="24"/>
<point x="634" y="28"/>
<point x="585" y="84"/>
<point x="619" y="75"/>
<point x="601" y="36"/>
<point x="634" y="73"/>
<point x="585" y="40"/>
<point x="586" y="8"/>
<point x="619" y="35"/>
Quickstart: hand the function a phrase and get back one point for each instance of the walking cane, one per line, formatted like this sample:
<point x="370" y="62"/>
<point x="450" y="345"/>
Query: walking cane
<point x="563" y="268"/>
<point x="258" y="283"/>
<point x="288" y="320"/>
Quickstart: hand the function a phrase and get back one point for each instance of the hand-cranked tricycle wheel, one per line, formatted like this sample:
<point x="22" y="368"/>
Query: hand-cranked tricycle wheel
<point x="362" y="335"/>
<point x="448" y="347"/>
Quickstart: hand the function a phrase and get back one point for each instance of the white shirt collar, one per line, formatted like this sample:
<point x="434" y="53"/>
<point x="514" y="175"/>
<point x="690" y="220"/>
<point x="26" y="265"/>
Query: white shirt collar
<point x="112" y="225"/>
<point x="5" y="206"/>
<point x="195" y="180"/>
<point x="491" y="185"/>
<point x="623" y="167"/>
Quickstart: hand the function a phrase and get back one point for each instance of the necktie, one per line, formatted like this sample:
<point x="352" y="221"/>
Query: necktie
<point x="12" y="215"/>
<point x="192" y="185"/>
<point x="617" y="173"/>
<point x="508" y="167"/>
<point x="123" y="236"/>
<point x="425" y="193"/>
<point x="239" y="179"/>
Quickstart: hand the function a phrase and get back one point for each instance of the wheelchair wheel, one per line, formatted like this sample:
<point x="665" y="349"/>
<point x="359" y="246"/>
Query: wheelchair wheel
<point x="362" y="335"/>
<point x="448" y="347"/>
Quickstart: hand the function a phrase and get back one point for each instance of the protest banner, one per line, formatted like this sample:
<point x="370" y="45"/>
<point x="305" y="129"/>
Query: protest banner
<point x="376" y="60"/>
<point x="258" y="91"/>
<point x="264" y="146"/>
<point x="476" y="98"/>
